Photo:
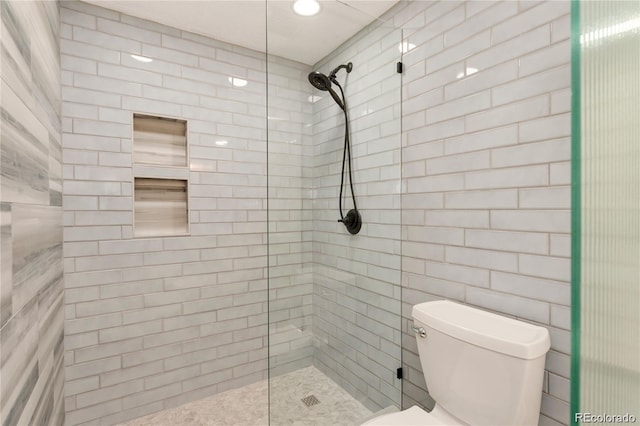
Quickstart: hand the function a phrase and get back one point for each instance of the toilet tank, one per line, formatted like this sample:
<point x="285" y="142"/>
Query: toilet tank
<point x="482" y="368"/>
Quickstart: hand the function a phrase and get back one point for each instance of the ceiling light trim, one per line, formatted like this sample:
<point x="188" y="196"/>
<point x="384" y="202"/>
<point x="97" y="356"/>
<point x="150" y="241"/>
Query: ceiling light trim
<point x="306" y="8"/>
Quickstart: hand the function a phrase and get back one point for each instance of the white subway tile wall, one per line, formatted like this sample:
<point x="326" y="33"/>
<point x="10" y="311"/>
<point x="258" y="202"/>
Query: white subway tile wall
<point x="154" y="322"/>
<point x="486" y="152"/>
<point x="356" y="278"/>
<point x="290" y="216"/>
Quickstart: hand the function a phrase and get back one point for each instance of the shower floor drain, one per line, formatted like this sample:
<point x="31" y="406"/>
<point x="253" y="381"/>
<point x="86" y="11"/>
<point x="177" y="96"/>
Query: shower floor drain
<point x="310" y="400"/>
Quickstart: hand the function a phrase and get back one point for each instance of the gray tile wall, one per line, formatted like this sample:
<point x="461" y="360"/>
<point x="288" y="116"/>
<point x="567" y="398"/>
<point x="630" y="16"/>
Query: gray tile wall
<point x="155" y="322"/>
<point x="31" y="261"/>
<point x="486" y="151"/>
<point x="290" y="215"/>
<point x="356" y="299"/>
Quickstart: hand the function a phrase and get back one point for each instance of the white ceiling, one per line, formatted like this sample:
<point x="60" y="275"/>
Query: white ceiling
<point x="242" y="22"/>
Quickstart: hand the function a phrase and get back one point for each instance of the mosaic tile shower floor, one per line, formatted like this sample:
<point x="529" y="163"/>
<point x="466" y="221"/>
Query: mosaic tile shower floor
<point x="247" y="406"/>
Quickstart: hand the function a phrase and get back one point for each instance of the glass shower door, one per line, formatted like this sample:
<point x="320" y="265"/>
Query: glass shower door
<point x="334" y="297"/>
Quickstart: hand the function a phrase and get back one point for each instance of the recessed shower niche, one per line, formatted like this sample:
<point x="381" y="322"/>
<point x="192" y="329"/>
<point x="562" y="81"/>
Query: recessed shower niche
<point x="159" y="141"/>
<point x="160" y="170"/>
<point x="161" y="207"/>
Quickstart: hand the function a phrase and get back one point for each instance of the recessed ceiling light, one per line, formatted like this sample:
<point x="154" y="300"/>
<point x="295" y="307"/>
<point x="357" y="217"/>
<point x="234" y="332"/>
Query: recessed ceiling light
<point x="222" y="143"/>
<point x="141" y="58"/>
<point x="306" y="7"/>
<point x="238" y="82"/>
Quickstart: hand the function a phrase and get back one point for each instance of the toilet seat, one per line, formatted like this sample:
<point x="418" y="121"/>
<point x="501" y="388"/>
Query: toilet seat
<point x="414" y="416"/>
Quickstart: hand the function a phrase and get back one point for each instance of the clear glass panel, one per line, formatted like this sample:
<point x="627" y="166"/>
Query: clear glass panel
<point x="334" y="297"/>
<point x="610" y="262"/>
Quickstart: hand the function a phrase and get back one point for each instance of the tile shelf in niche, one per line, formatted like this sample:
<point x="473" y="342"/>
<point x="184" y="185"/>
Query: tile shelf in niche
<point x="160" y="207"/>
<point x="159" y="141"/>
<point x="160" y="172"/>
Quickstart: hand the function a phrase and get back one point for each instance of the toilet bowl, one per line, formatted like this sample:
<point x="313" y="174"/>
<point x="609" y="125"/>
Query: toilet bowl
<point x="480" y="368"/>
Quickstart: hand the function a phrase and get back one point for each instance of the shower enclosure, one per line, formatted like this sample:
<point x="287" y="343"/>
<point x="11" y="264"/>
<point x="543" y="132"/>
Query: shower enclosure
<point x="253" y="277"/>
<point x="334" y="309"/>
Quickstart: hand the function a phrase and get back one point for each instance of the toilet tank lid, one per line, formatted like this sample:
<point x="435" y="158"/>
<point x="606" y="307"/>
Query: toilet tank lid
<point x="485" y="329"/>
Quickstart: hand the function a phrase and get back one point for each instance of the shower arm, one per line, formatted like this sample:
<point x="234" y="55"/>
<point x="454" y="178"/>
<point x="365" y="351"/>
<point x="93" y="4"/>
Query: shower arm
<point x="332" y="75"/>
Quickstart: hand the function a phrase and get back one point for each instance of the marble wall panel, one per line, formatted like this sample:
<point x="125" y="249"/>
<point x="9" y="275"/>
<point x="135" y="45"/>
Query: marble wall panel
<point x="18" y="361"/>
<point x="25" y="152"/>
<point x="5" y="263"/>
<point x="16" y="51"/>
<point x="37" y="252"/>
<point x="31" y="261"/>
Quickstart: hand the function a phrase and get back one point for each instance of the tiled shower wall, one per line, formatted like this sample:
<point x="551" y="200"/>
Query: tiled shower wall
<point x="290" y="216"/>
<point x="31" y="282"/>
<point x="356" y="303"/>
<point x="486" y="150"/>
<point x="155" y="322"/>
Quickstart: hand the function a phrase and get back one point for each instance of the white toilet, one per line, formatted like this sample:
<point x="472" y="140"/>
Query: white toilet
<point x="481" y="368"/>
